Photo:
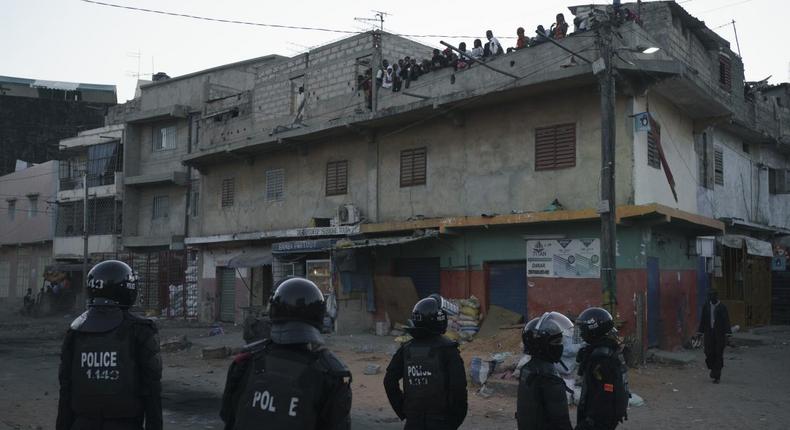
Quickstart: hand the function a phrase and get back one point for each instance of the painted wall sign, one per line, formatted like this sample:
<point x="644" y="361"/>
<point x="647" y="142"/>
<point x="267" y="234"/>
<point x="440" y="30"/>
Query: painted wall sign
<point x="564" y="258"/>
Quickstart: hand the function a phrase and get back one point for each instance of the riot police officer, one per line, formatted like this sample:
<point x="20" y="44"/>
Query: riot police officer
<point x="430" y="365"/>
<point x="604" y="399"/>
<point x="542" y="403"/>
<point x="289" y="381"/>
<point x="110" y="369"/>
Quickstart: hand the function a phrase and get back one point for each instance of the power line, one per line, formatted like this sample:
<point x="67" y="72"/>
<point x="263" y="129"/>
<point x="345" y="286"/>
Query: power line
<point x="726" y="6"/>
<point x="283" y="26"/>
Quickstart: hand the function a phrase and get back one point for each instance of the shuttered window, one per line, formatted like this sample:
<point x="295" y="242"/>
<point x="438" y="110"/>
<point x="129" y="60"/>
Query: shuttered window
<point x="725" y="72"/>
<point x="275" y="185"/>
<point x="161" y="207"/>
<point x="228" y="192"/>
<point x="555" y="147"/>
<point x="718" y="166"/>
<point x="653" y="141"/>
<point x="336" y="178"/>
<point x="412" y="167"/>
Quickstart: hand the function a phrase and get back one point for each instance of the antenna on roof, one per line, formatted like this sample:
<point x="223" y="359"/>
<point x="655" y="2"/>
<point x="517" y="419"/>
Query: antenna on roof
<point x="737" y="43"/>
<point x="379" y="17"/>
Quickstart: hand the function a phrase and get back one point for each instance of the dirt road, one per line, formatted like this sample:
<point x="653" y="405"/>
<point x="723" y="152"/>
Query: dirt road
<point x="753" y="394"/>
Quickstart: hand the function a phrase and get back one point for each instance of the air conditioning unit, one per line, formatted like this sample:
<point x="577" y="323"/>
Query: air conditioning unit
<point x="347" y="214"/>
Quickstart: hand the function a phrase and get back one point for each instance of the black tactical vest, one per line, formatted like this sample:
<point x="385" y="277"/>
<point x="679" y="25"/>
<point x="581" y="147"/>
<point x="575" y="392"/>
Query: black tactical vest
<point x="104" y="375"/>
<point x="282" y="392"/>
<point x="424" y="384"/>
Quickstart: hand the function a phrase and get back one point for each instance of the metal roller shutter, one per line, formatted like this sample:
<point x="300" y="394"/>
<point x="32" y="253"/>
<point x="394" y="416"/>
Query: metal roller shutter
<point x="780" y="297"/>
<point x="227" y="300"/>
<point x="424" y="273"/>
<point x="507" y="286"/>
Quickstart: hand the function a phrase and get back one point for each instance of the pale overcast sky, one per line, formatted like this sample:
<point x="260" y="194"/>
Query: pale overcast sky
<point x="70" y="40"/>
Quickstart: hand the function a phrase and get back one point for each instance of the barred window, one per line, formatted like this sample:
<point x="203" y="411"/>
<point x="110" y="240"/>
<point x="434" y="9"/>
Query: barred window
<point x="194" y="201"/>
<point x="653" y="142"/>
<point x="11" y="209"/>
<point x="227" y="194"/>
<point x="164" y="137"/>
<point x="718" y="166"/>
<point x="275" y="185"/>
<point x="161" y="207"/>
<point x="413" y="163"/>
<point x="336" y="178"/>
<point x="555" y="147"/>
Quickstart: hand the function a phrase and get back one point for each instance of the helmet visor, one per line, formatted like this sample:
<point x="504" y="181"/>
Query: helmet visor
<point x="555" y="322"/>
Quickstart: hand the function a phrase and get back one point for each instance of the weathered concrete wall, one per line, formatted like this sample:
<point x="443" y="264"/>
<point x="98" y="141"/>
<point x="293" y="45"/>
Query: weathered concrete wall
<point x="677" y="140"/>
<point x="27" y="223"/>
<point x="149" y="161"/>
<point x="22" y="267"/>
<point x="173" y="225"/>
<point x="486" y="166"/>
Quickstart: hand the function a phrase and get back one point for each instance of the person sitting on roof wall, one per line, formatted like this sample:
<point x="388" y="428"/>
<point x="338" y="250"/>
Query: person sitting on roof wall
<point x="522" y="41"/>
<point x="493" y="47"/>
<point x="559" y="29"/>
<point x="438" y="60"/>
<point x="464" y="60"/>
<point x="381" y="72"/>
<point x="477" y="50"/>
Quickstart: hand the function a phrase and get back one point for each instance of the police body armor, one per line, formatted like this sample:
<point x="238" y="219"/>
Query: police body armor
<point x="424" y="378"/>
<point x="281" y="391"/>
<point x="104" y="374"/>
<point x="620" y="388"/>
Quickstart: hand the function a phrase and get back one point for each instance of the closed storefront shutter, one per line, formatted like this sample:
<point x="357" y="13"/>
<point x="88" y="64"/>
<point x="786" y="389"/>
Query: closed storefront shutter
<point x="507" y="286"/>
<point x="424" y="273"/>
<point x="227" y="301"/>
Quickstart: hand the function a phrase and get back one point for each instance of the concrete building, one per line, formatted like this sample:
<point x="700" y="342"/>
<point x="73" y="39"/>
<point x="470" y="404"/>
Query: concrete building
<point x="36" y="114"/>
<point x="26" y="230"/>
<point x="160" y="194"/>
<point x="486" y="183"/>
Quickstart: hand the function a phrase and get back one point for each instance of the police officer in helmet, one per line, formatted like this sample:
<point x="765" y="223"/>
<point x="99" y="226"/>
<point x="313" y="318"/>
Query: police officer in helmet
<point x="542" y="403"/>
<point x="430" y="365"/>
<point x="110" y="369"/>
<point x="604" y="399"/>
<point x="289" y="381"/>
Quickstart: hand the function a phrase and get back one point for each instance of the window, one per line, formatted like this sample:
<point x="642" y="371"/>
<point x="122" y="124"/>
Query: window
<point x="164" y="138"/>
<point x="32" y="210"/>
<point x="705" y="162"/>
<point x="22" y="275"/>
<point x="275" y="185"/>
<point x="104" y="217"/>
<point x="725" y="72"/>
<point x="778" y="181"/>
<point x="412" y="167"/>
<point x="228" y="192"/>
<point x="194" y="201"/>
<point x="653" y="142"/>
<point x="746" y="148"/>
<point x="555" y="147"/>
<point x="718" y="166"/>
<point x="11" y="209"/>
<point x="336" y="178"/>
<point x="161" y="207"/>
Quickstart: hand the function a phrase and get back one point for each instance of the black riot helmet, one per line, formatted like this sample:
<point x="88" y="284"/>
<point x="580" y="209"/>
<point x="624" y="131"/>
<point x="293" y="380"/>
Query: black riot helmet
<point x="297" y="299"/>
<point x="542" y="336"/>
<point x="112" y="283"/>
<point x="427" y="317"/>
<point x="594" y="324"/>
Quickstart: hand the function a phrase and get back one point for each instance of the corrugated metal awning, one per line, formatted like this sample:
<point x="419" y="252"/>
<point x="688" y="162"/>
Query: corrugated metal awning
<point x="251" y="259"/>
<point x="384" y="241"/>
<point x="753" y="246"/>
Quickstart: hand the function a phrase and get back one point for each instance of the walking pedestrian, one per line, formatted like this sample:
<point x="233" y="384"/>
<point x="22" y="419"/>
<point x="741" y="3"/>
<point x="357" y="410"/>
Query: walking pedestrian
<point x="110" y="368"/>
<point x="714" y="325"/>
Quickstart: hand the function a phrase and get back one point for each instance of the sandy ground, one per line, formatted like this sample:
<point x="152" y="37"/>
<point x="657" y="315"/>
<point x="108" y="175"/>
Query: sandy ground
<point x="754" y="393"/>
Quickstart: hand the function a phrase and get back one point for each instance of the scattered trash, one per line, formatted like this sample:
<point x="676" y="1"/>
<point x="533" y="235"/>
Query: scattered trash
<point x="500" y="357"/>
<point x="382" y="328"/>
<point x="372" y="369"/>
<point x="216" y="330"/>
<point x="636" y="400"/>
<point x="175" y="343"/>
<point x="214" y="352"/>
<point x="485" y="392"/>
<point x="675" y="390"/>
<point x="735" y="329"/>
<point x="480" y="370"/>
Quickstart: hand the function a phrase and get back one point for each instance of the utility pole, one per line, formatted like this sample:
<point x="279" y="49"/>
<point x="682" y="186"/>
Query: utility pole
<point x="374" y="70"/>
<point x="607" y="206"/>
<point x="85" y="233"/>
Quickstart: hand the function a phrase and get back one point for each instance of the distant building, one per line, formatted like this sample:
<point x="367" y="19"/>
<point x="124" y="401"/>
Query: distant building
<point x="36" y="114"/>
<point x="27" y="225"/>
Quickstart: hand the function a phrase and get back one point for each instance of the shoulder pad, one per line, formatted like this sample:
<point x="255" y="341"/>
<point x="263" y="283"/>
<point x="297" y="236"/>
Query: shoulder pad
<point x="255" y="347"/>
<point x="332" y="364"/>
<point x="242" y="357"/>
<point x="445" y="342"/>
<point x="98" y="320"/>
<point x="603" y="351"/>
<point x="138" y="319"/>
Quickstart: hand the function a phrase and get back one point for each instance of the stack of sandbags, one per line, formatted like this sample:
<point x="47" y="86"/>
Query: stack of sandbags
<point x="466" y="323"/>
